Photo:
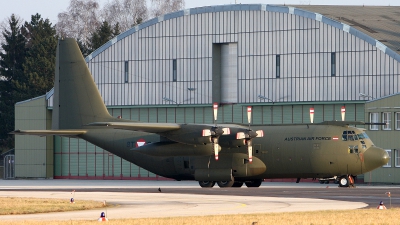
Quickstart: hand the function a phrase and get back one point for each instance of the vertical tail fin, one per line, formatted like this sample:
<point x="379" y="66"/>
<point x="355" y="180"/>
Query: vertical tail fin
<point x="77" y="101"/>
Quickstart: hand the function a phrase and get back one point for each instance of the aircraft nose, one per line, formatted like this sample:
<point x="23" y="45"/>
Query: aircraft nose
<point x="375" y="157"/>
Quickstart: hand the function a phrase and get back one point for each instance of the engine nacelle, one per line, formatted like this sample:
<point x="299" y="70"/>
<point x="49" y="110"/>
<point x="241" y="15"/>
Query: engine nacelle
<point x="231" y="143"/>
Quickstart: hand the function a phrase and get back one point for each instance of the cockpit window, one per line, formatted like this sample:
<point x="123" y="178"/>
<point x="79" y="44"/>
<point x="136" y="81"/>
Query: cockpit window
<point x="349" y="135"/>
<point x="363" y="136"/>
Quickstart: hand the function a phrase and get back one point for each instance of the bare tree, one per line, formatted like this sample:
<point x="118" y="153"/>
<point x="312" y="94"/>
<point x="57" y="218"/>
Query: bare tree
<point x="79" y="21"/>
<point x="161" y="7"/>
<point x="126" y="13"/>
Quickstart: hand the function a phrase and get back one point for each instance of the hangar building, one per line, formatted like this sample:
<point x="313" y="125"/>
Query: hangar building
<point x="282" y="60"/>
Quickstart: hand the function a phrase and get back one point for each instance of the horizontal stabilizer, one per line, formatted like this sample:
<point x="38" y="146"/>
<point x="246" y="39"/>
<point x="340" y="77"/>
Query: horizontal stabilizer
<point x="134" y="126"/>
<point x="49" y="132"/>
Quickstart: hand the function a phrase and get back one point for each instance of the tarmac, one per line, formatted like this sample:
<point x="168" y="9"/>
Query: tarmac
<point x="142" y="199"/>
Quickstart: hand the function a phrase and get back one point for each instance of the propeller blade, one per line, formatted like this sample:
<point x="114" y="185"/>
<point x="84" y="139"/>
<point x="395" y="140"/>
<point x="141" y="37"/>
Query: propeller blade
<point x="215" y="108"/>
<point x="240" y="135"/>
<point x="249" y="114"/>
<point x="260" y="133"/>
<point x="250" y="151"/>
<point x="226" y="131"/>
<point x="343" y="111"/>
<point x="312" y="115"/>
<point x="216" y="148"/>
<point x="206" y="132"/>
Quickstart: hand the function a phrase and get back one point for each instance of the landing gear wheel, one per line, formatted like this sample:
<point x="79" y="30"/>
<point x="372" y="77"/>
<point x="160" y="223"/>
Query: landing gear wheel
<point x="206" y="184"/>
<point x="327" y="182"/>
<point x="253" y="183"/>
<point x="225" y="184"/>
<point x="344" y="181"/>
<point x="238" y="184"/>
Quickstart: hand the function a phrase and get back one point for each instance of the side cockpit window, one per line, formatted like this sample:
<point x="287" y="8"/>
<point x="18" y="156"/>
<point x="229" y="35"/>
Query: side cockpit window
<point x="353" y="149"/>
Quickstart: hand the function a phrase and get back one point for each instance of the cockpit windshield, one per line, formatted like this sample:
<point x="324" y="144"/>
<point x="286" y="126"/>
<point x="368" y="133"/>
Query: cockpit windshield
<point x="350" y="135"/>
<point x="363" y="136"/>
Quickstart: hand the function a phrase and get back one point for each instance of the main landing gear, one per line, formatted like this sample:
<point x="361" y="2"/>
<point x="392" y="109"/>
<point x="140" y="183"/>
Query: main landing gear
<point x="228" y="184"/>
<point x="346" y="181"/>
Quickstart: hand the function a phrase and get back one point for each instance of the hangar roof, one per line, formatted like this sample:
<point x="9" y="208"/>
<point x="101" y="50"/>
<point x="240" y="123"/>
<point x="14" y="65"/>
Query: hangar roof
<point x="377" y="25"/>
<point x="380" y="22"/>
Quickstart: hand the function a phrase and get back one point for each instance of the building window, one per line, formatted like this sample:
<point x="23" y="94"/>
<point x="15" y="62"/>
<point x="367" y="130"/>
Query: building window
<point x="373" y="118"/>
<point x="278" y="66"/>
<point x="389" y="152"/>
<point x="126" y="72"/>
<point x="333" y="64"/>
<point x="397" y="157"/>
<point x="397" y="115"/>
<point x="386" y="119"/>
<point x="174" y="72"/>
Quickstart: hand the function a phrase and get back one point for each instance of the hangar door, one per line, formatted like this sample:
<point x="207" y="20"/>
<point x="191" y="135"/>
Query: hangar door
<point x="225" y="75"/>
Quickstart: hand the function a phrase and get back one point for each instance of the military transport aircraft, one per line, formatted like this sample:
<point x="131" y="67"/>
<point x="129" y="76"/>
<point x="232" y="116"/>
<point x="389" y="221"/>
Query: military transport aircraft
<point x="227" y="154"/>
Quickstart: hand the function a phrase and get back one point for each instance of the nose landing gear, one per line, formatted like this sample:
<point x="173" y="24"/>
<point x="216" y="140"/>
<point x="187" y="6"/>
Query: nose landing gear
<point x="346" y="181"/>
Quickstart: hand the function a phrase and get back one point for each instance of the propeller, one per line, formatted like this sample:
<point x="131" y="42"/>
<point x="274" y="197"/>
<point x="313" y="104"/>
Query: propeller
<point x="215" y="132"/>
<point x="249" y="135"/>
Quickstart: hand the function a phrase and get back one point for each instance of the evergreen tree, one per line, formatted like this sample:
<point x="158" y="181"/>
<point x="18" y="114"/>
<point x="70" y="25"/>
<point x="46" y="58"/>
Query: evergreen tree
<point x="11" y="69"/>
<point x="85" y="50"/>
<point x="40" y="61"/>
<point x="116" y="30"/>
<point x="103" y="34"/>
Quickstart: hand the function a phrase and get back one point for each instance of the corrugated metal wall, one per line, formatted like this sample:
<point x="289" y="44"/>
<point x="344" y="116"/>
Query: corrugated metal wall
<point x="78" y="159"/>
<point x="304" y="45"/>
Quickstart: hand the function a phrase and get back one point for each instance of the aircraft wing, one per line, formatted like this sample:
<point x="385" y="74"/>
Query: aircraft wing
<point x="49" y="132"/>
<point x="135" y="126"/>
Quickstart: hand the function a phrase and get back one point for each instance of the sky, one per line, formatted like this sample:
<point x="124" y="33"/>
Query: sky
<point x="50" y="8"/>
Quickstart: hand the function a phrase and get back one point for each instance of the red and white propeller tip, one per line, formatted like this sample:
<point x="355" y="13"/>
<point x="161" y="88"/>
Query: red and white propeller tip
<point x="215" y="108"/>
<point x="312" y="115"/>
<point x="249" y="114"/>
<point x="343" y="112"/>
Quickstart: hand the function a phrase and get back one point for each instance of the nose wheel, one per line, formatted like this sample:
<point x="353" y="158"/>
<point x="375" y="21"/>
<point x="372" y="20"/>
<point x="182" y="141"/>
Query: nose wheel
<point x="346" y="181"/>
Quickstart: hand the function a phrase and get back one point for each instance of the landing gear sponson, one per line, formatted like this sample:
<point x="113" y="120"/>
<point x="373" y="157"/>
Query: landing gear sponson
<point x="228" y="184"/>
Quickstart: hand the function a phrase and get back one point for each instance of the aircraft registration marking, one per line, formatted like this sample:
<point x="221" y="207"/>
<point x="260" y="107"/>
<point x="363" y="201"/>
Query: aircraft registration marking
<point x="308" y="139"/>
